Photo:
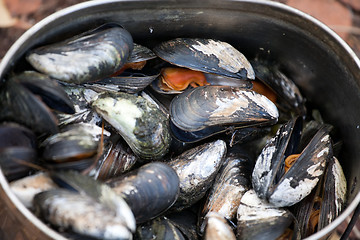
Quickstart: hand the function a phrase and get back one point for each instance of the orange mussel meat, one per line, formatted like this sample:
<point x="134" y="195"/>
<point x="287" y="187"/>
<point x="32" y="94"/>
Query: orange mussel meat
<point x="180" y="78"/>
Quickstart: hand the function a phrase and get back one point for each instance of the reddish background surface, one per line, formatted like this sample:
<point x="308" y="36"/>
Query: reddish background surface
<point x="343" y="16"/>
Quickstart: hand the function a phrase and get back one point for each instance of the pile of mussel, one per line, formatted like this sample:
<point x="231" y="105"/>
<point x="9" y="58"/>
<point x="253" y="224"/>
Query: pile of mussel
<point x="103" y="138"/>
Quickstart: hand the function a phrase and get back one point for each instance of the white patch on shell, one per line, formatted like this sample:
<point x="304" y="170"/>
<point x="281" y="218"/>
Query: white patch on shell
<point x="263" y="165"/>
<point x="26" y="188"/>
<point x="286" y="195"/>
<point x="322" y="152"/>
<point x="228" y="106"/>
<point x="229" y="58"/>
<point x="263" y="102"/>
<point x="121" y="114"/>
<point x="201" y="167"/>
<point x="218" y="228"/>
<point x="66" y="66"/>
<point x="253" y="208"/>
<point x="340" y="186"/>
<point x="325" y="138"/>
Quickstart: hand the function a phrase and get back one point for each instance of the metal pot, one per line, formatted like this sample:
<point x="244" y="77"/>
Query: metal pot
<point x="318" y="60"/>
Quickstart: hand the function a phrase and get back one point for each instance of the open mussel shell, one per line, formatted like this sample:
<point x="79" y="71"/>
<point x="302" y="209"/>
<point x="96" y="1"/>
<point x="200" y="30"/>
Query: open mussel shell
<point x="207" y="79"/>
<point x="149" y="190"/>
<point x="257" y="219"/>
<point x="206" y="106"/>
<point x="81" y="97"/>
<point x="20" y="105"/>
<point x="290" y="96"/>
<point x="129" y="81"/>
<point x="281" y="188"/>
<point x="197" y="169"/>
<point x="206" y="55"/>
<point x="142" y="124"/>
<point x="84" y="58"/>
<point x="51" y="93"/>
<point x="325" y="202"/>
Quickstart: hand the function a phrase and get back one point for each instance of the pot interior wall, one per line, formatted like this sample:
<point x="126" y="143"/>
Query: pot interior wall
<point x="327" y="73"/>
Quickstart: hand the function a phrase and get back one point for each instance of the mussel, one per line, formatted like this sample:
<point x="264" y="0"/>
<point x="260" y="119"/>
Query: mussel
<point x="206" y="55"/>
<point x="230" y="184"/>
<point x="87" y="57"/>
<point x="284" y="175"/>
<point x="197" y="169"/>
<point x="149" y="190"/>
<point x="325" y="202"/>
<point x="143" y="126"/>
<point x="204" y="111"/>
<point x="18" y="149"/>
<point x="257" y="219"/>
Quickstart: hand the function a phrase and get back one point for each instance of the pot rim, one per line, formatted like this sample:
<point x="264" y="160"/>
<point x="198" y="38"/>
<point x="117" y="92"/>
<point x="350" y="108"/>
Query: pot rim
<point x="81" y="6"/>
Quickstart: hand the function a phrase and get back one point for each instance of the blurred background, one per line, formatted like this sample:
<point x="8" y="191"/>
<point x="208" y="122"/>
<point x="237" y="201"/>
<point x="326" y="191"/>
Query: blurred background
<point x="342" y="16"/>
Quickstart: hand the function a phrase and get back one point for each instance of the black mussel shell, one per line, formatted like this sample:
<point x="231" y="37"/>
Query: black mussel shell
<point x="282" y="85"/>
<point x="15" y="135"/>
<point x="149" y="190"/>
<point x="206" y="55"/>
<point x="256" y="219"/>
<point x="140" y="53"/>
<point x="72" y="144"/>
<point x="281" y="188"/>
<point x="197" y="169"/>
<point x="129" y="81"/>
<point x="230" y="184"/>
<point x="18" y="104"/>
<point x="51" y="93"/>
<point x="86" y="57"/>
<point x="13" y="161"/>
<point x="159" y="228"/>
<point x="80" y="213"/>
<point x="206" y="106"/>
<point x="116" y="159"/>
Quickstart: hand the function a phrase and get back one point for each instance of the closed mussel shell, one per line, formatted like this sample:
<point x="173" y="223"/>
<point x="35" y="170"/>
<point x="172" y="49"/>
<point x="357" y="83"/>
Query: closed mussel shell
<point x="142" y="124"/>
<point x="218" y="228"/>
<point x="206" y="106"/>
<point x="20" y="105"/>
<point x="197" y="169"/>
<point x="257" y="219"/>
<point x="231" y="182"/>
<point x="149" y="190"/>
<point x="84" y="58"/>
<point x="50" y="91"/>
<point x="17" y="145"/>
<point x="74" y="143"/>
<point x="80" y="214"/>
<point x="116" y="159"/>
<point x="206" y="55"/>
<point x="158" y="228"/>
